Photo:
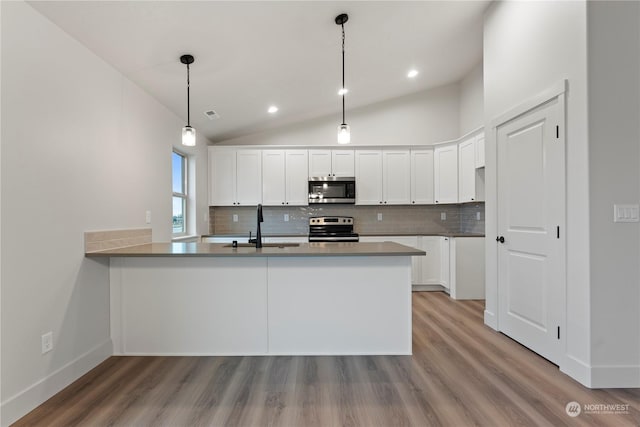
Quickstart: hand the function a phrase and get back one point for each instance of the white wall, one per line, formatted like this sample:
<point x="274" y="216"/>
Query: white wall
<point x="421" y="118"/>
<point x="472" y="101"/>
<point x="82" y="149"/>
<point x="614" y="177"/>
<point x="529" y="47"/>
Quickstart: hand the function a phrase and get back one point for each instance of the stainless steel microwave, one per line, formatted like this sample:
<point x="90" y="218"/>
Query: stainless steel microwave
<point x="332" y="189"/>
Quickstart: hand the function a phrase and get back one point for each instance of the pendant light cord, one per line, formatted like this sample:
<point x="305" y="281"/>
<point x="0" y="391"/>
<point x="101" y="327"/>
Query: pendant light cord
<point x="343" y="88"/>
<point x="188" y="100"/>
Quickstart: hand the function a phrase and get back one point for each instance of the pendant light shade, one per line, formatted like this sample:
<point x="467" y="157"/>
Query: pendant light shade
<point x="344" y="131"/>
<point x="344" y="134"/>
<point x="188" y="133"/>
<point x="188" y="136"/>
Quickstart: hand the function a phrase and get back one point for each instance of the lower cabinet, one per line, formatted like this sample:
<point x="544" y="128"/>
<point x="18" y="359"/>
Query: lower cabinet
<point x="435" y="268"/>
<point x="467" y="268"/>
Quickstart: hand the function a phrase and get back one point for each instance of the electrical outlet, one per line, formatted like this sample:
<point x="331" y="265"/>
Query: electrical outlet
<point x="147" y="217"/>
<point x="286" y="217"/>
<point x="47" y="342"/>
<point x="379" y="216"/>
<point x="477" y="216"/>
<point x="235" y="217"/>
<point x="443" y="216"/>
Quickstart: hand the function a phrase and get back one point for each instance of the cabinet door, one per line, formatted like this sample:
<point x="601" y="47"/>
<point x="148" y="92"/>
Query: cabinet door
<point x="467" y="170"/>
<point x="431" y="263"/>
<point x="273" y="177"/>
<point x="296" y="171"/>
<point x="480" y="151"/>
<point x="248" y="177"/>
<point x="445" y="267"/>
<point x="368" y="177"/>
<point x="342" y="163"/>
<point x="222" y="177"/>
<point x="319" y="163"/>
<point x="446" y="174"/>
<point x="396" y="177"/>
<point x="422" y="177"/>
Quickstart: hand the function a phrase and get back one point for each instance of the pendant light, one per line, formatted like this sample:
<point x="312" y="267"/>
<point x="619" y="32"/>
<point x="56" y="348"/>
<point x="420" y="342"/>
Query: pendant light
<point x="188" y="133"/>
<point x="344" y="132"/>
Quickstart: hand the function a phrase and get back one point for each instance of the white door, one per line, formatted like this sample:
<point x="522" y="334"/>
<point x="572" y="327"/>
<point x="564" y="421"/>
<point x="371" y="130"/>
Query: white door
<point x="531" y="212"/>
<point x="297" y="188"/>
<point x="319" y="163"/>
<point x="467" y="170"/>
<point x="396" y="176"/>
<point x="222" y="177"/>
<point x="273" y="177"/>
<point x="342" y="163"/>
<point x="422" y="177"/>
<point x="445" y="165"/>
<point x="369" y="177"/>
<point x="248" y="177"/>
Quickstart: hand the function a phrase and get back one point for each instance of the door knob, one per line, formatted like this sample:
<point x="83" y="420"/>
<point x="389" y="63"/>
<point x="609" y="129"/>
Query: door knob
<point x="500" y="239"/>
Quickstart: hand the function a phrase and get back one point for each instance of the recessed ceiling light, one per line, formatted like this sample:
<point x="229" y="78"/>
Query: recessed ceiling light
<point x="273" y="109"/>
<point x="412" y="73"/>
<point x="343" y="91"/>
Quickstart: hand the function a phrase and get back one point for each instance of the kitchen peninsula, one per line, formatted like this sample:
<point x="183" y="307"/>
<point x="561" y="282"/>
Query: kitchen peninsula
<point x="303" y="299"/>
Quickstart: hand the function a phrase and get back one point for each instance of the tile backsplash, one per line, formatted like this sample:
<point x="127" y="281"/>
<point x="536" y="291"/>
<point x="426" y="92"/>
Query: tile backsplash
<point x="422" y="219"/>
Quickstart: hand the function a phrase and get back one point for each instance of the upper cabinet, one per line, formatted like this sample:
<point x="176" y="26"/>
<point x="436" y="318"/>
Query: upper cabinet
<point x="369" y="177"/>
<point x="467" y="170"/>
<point x="422" y="176"/>
<point x="396" y="177"/>
<point x="445" y="165"/>
<point x="480" y="151"/>
<point x="383" y="177"/>
<point x="235" y="177"/>
<point x="284" y="179"/>
<point x="338" y="163"/>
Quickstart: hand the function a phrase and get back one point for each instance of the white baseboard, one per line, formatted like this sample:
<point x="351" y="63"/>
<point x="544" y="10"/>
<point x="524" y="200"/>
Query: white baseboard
<point x="615" y="376"/>
<point x="27" y="400"/>
<point x="427" y="288"/>
<point x="576" y="369"/>
<point x="490" y="320"/>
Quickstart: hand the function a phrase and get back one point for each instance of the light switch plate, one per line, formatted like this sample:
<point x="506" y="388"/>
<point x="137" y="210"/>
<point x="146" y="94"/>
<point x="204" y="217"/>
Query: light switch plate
<point x="443" y="216"/>
<point x="379" y="217"/>
<point x="286" y="217"/>
<point x="147" y="217"/>
<point x="235" y="217"/>
<point x="626" y="213"/>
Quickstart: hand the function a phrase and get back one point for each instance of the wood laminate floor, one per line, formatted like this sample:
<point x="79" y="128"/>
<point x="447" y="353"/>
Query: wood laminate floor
<point x="462" y="373"/>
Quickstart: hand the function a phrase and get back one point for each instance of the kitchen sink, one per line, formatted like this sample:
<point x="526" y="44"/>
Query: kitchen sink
<point x="265" y="245"/>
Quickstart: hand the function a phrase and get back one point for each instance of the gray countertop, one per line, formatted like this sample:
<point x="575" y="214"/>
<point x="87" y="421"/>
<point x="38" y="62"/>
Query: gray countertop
<point x="222" y="250"/>
<point x="361" y="234"/>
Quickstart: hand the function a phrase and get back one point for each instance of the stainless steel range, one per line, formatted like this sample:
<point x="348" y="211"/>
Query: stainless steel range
<point x="332" y="229"/>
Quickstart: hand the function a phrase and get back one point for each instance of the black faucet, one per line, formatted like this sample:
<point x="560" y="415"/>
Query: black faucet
<point x="258" y="232"/>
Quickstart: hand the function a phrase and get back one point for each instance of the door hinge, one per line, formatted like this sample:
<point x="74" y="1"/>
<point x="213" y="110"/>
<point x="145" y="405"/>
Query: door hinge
<point x="558" y="332"/>
<point x="557" y="132"/>
<point x="558" y="232"/>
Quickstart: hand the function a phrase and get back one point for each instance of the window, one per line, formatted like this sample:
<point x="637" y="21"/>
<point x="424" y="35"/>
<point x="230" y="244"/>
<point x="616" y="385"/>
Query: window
<point x="179" y="173"/>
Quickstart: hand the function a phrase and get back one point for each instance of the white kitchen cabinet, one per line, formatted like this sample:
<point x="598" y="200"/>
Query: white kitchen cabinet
<point x="369" y="177"/>
<point x="480" y="151"/>
<point x="235" y="177"/>
<point x="467" y="170"/>
<point x="339" y="163"/>
<point x="396" y="177"/>
<point x="284" y="179"/>
<point x="411" y="241"/>
<point x="422" y="176"/>
<point x="383" y="177"/>
<point x="467" y="268"/>
<point x="435" y="266"/>
<point x="445" y="165"/>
